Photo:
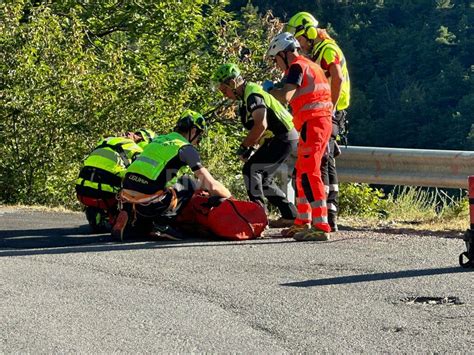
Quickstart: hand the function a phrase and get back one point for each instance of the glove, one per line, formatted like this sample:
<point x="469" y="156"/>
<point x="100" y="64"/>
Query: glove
<point x="245" y="152"/>
<point x="267" y="85"/>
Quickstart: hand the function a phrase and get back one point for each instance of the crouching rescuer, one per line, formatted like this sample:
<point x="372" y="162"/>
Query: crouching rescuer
<point x="147" y="197"/>
<point x="101" y="177"/>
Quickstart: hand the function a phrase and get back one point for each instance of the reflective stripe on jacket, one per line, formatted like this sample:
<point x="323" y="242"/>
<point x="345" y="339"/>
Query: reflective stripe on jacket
<point x="157" y="154"/>
<point x="106" y="165"/>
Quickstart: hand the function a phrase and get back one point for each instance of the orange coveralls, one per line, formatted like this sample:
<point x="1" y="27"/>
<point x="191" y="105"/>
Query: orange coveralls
<point x="312" y="110"/>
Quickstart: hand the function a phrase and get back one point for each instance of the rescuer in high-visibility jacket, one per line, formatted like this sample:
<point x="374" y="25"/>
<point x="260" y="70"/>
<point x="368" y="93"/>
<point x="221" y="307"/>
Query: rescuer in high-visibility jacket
<point x="146" y="196"/>
<point x="269" y="142"/>
<point x="323" y="50"/>
<point x="101" y="176"/>
<point x="307" y="90"/>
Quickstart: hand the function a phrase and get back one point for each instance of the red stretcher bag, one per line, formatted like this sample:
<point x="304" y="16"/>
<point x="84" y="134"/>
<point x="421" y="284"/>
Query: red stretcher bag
<point x="226" y="218"/>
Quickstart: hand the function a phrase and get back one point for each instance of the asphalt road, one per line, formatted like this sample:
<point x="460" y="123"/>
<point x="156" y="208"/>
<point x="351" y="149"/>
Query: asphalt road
<point x="64" y="290"/>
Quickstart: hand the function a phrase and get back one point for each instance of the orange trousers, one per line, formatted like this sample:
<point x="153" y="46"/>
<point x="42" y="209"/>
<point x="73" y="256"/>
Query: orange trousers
<point x="310" y="194"/>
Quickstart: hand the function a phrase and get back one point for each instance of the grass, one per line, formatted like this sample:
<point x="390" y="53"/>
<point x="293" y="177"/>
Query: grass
<point x="414" y="208"/>
<point x="40" y="208"/>
<point x="456" y="224"/>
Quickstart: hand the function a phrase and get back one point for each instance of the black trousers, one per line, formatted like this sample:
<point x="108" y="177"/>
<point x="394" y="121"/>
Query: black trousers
<point x="328" y="167"/>
<point x="329" y="177"/>
<point x="259" y="173"/>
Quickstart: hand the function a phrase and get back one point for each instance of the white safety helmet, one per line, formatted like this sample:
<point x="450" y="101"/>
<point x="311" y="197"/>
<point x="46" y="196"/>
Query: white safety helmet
<point x="284" y="42"/>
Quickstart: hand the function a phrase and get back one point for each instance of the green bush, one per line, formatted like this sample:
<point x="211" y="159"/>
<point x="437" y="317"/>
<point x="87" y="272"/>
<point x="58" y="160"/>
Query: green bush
<point x="361" y="200"/>
<point x="73" y="72"/>
<point x="402" y="204"/>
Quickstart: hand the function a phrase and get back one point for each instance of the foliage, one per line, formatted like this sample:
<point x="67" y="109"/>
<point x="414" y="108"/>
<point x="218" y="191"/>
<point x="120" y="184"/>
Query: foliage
<point x="77" y="71"/>
<point x="405" y="204"/>
<point x="361" y="200"/>
<point x="411" y="67"/>
<point x="226" y="170"/>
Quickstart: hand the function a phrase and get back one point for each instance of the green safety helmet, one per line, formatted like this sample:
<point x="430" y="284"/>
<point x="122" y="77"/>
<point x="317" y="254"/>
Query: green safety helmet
<point x="303" y="23"/>
<point x="225" y="72"/>
<point x="147" y="134"/>
<point x="190" y="119"/>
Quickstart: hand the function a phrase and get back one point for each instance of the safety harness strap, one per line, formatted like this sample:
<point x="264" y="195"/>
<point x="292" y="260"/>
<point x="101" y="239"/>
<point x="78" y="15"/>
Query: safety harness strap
<point x="137" y="198"/>
<point x="131" y="196"/>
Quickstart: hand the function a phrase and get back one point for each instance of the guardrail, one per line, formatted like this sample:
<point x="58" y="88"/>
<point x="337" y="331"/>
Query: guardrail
<point x="414" y="167"/>
<point x="397" y="166"/>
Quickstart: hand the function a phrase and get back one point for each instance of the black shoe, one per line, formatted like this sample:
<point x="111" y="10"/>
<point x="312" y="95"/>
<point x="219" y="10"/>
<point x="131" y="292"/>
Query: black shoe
<point x="332" y="220"/>
<point x="168" y="232"/>
<point x="97" y="219"/>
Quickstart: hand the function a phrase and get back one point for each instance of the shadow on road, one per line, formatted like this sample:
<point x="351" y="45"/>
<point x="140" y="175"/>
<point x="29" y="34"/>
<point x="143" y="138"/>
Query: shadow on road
<point x="377" y="277"/>
<point x="49" y="237"/>
<point x="80" y="240"/>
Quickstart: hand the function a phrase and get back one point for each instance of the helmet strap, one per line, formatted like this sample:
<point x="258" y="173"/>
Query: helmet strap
<point x="236" y="83"/>
<point x="284" y="58"/>
<point x="244" y="83"/>
<point x="198" y="132"/>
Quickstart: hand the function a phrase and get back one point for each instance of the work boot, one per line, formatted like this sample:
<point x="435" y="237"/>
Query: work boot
<point x="166" y="231"/>
<point x="332" y="220"/>
<point x="281" y="222"/>
<point x="312" y="234"/>
<point x="118" y="229"/>
<point x="97" y="219"/>
<point x="295" y="228"/>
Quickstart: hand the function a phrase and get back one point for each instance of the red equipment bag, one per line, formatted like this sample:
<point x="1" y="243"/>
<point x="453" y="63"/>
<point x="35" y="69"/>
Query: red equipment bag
<point x="226" y="218"/>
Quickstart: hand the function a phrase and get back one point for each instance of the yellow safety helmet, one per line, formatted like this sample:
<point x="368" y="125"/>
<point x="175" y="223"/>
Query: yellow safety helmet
<point x="190" y="119"/>
<point x="303" y="24"/>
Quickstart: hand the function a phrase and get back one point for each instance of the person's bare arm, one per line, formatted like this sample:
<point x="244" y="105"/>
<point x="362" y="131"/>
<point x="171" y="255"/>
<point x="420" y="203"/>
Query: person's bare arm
<point x="208" y="183"/>
<point x="336" y="82"/>
<point x="284" y="94"/>
<point x="259" y="127"/>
